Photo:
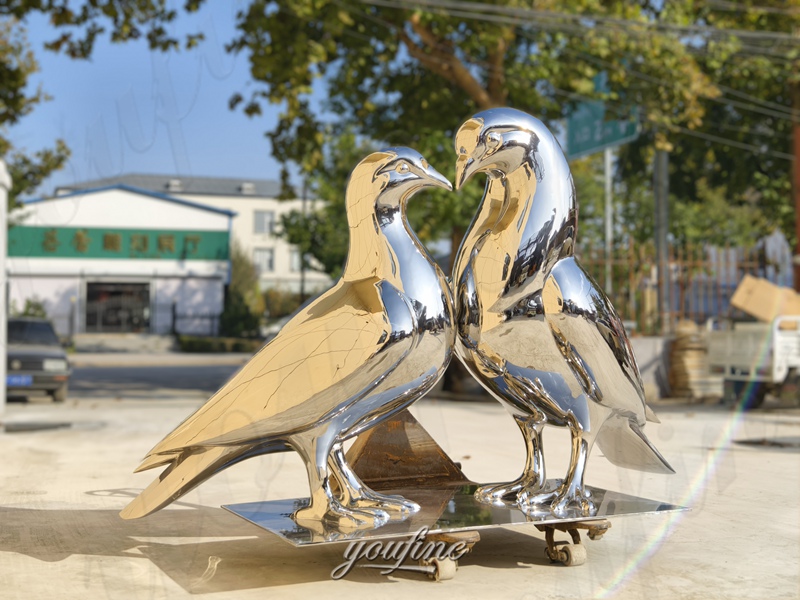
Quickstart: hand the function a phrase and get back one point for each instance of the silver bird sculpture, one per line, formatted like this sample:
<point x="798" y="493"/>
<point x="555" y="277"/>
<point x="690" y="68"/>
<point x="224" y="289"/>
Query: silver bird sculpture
<point x="363" y="351"/>
<point x="532" y="326"/>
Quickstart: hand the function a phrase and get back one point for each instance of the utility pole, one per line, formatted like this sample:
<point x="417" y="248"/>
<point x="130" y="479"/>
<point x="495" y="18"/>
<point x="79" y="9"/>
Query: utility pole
<point x="5" y="187"/>
<point x="302" y="253"/>
<point x="796" y="180"/>
<point x="661" y="191"/>
<point x="609" y="218"/>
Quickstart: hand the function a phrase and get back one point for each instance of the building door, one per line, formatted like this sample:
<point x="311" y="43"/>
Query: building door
<point x="117" y="307"/>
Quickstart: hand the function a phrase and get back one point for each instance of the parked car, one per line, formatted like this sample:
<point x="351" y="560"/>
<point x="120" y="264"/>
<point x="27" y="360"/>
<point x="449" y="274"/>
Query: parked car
<point x="36" y="360"/>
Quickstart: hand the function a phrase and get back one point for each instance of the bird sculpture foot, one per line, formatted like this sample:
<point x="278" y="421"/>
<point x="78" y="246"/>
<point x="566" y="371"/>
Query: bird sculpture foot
<point x="341" y="518"/>
<point x="561" y="503"/>
<point x="505" y="494"/>
<point x="397" y="507"/>
<point x="536" y="502"/>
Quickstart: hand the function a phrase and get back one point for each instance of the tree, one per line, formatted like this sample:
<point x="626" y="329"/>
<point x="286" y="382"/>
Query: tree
<point x="17" y="64"/>
<point x="410" y="73"/>
<point x="730" y="176"/>
<point x="244" y="304"/>
<point x="78" y="25"/>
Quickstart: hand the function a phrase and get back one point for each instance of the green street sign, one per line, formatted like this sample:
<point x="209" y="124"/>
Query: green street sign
<point x="589" y="132"/>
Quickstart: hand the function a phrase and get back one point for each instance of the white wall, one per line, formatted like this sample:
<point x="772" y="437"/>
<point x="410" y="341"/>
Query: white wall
<point x="243" y="233"/>
<point x="197" y="301"/>
<point x="115" y="267"/>
<point x="119" y="208"/>
<point x="65" y="297"/>
<point x="55" y="293"/>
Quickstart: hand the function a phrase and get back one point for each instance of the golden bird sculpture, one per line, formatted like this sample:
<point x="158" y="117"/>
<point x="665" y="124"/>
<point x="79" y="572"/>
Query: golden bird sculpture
<point x="532" y="326"/>
<point x="360" y="353"/>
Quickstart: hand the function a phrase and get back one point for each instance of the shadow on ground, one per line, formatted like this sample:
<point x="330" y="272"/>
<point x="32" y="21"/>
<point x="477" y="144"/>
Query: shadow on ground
<point x="207" y="550"/>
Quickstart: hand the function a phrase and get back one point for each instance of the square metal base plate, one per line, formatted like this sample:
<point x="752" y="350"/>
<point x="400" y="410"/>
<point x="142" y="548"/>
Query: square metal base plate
<point x="445" y="509"/>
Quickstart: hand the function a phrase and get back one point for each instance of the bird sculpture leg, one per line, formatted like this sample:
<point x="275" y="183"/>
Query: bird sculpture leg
<point x="355" y="494"/>
<point x="533" y="476"/>
<point x="571" y="498"/>
<point x="323" y="505"/>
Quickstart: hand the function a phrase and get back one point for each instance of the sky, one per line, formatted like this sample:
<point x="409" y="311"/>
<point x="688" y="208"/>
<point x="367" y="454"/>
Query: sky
<point x="130" y="110"/>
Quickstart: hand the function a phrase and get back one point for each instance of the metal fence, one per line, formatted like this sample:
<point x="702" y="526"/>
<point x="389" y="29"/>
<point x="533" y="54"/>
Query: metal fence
<point x="702" y="280"/>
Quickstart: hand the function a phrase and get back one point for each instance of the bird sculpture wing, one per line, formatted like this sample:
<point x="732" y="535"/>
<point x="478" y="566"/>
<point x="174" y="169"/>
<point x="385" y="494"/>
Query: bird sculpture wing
<point x="286" y="386"/>
<point x="591" y="337"/>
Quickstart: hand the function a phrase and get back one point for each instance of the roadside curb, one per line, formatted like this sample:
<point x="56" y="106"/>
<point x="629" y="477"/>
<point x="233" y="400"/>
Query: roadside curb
<point x="123" y="359"/>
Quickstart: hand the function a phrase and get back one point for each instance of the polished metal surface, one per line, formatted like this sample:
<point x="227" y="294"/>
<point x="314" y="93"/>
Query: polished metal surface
<point x="446" y="509"/>
<point x="532" y="326"/>
<point x="362" y="352"/>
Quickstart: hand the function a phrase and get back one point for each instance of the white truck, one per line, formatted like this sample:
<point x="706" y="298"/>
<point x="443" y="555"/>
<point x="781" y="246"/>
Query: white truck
<point x="756" y="359"/>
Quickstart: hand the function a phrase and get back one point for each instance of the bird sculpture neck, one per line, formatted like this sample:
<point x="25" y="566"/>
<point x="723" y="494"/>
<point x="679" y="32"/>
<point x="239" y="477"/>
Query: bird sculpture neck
<point x="381" y="241"/>
<point x="537" y="219"/>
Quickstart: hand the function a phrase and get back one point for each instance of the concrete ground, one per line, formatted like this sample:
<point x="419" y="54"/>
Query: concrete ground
<point x="61" y="490"/>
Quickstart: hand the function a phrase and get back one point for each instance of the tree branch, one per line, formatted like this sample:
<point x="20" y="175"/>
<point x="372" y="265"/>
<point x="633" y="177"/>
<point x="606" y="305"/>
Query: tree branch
<point x="438" y="57"/>
<point x="497" y="74"/>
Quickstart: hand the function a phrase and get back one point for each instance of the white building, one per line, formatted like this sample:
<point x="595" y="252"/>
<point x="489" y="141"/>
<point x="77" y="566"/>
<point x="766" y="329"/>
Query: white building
<point x="258" y="213"/>
<point x="119" y="259"/>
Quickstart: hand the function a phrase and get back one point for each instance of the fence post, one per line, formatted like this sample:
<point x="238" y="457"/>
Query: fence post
<point x="661" y="190"/>
<point x="5" y="187"/>
<point x="174" y="326"/>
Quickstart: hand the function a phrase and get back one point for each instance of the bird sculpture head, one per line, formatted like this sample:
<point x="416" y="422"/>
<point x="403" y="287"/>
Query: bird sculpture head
<point x="497" y="142"/>
<point x="379" y="187"/>
<point x="390" y="177"/>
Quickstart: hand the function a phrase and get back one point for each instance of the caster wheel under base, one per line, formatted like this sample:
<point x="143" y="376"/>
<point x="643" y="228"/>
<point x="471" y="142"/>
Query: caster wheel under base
<point x="573" y="554"/>
<point x="440" y="569"/>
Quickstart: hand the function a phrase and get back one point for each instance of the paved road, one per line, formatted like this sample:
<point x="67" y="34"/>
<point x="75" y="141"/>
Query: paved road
<point x="141" y="382"/>
<point x="195" y="382"/>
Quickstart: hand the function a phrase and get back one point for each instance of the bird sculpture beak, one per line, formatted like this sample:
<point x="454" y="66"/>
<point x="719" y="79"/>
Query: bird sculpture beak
<point x="436" y="179"/>
<point x="465" y="168"/>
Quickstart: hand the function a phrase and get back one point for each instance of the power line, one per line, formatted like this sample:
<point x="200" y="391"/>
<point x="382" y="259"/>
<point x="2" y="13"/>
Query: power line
<point x="483" y="9"/>
<point x="723" y="5"/>
<point x="699" y="134"/>
<point x="717" y="139"/>
<point x="735" y="144"/>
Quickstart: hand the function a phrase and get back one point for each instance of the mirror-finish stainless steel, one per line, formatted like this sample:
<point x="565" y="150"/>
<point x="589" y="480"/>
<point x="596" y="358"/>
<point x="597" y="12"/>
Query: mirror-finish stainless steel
<point x="363" y="351"/>
<point x="447" y="509"/>
<point x="532" y="326"/>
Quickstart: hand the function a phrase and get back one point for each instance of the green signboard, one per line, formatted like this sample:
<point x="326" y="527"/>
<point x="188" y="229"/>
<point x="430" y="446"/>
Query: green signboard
<point x="589" y="132"/>
<point x="97" y="242"/>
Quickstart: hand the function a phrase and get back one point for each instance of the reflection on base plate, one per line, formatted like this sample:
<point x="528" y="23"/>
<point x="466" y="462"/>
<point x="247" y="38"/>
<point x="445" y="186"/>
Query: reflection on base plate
<point x="443" y="509"/>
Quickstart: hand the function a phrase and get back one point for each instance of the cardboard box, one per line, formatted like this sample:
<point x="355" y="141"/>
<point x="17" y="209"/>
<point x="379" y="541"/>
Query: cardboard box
<point x="765" y="300"/>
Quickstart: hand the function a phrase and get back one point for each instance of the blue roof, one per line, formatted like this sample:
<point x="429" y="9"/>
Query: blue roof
<point x="135" y="190"/>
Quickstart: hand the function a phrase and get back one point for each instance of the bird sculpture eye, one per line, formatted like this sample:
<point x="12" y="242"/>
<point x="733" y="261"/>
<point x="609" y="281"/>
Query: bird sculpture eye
<point x="424" y="164"/>
<point x="462" y="150"/>
<point x="493" y="140"/>
<point x="402" y="168"/>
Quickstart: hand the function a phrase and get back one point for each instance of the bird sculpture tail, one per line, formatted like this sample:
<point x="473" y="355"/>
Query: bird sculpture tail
<point x="186" y="470"/>
<point x="624" y="443"/>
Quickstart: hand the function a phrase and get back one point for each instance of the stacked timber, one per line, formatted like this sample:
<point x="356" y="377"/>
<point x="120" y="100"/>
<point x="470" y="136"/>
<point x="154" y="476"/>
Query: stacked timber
<point x="688" y="364"/>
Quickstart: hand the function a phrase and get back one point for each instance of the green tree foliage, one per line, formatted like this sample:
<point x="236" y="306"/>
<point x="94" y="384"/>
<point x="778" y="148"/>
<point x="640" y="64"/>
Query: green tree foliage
<point x="410" y="73"/>
<point x="321" y="233"/>
<point x="77" y="27"/>
<point x="280" y="302"/>
<point x="244" y="305"/>
<point x="17" y="64"/>
<point x="737" y="162"/>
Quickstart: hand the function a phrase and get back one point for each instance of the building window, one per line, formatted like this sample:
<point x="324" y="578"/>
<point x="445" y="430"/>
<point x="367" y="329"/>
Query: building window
<point x="264" y="260"/>
<point x="264" y="221"/>
<point x="294" y="261"/>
